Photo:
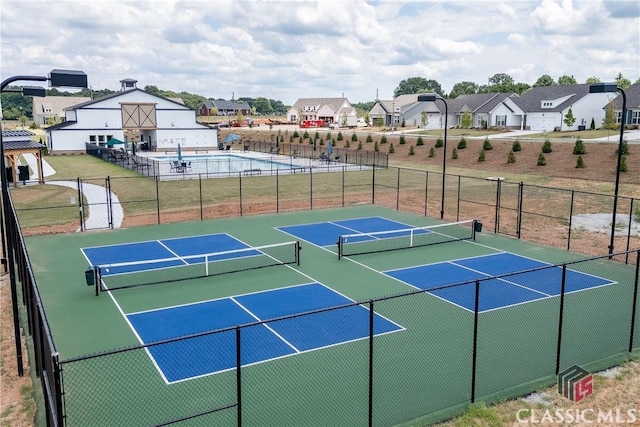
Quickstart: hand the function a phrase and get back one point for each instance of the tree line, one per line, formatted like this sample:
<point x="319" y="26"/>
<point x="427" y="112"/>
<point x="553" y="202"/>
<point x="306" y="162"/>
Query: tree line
<point x="500" y="82"/>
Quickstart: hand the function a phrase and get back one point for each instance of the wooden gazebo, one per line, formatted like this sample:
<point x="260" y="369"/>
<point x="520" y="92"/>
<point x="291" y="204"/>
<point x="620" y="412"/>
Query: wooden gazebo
<point x="15" y="144"/>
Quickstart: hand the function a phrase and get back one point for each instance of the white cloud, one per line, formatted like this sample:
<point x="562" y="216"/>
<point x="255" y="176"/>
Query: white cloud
<point x="302" y="48"/>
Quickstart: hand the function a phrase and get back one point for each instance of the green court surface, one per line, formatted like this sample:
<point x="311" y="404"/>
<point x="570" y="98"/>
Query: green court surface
<point x="420" y="374"/>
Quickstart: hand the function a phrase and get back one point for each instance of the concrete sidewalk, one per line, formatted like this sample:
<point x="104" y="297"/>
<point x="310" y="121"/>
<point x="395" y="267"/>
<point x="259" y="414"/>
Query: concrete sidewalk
<point x="95" y="195"/>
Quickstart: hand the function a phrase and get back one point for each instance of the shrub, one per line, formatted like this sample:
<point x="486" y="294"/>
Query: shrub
<point x="411" y="151"/>
<point x="454" y="153"/>
<point x="359" y="146"/>
<point x="383" y="140"/>
<point x="546" y="147"/>
<point x="486" y="145"/>
<point x="328" y="136"/>
<point x="347" y="144"/>
<point x="636" y="214"/>
<point x="481" y="156"/>
<point x="391" y="150"/>
<point x="321" y="141"/>
<point x="432" y="152"/>
<point x="541" y="160"/>
<point x="580" y="162"/>
<point x="296" y="134"/>
<point x="375" y="147"/>
<point x="593" y="124"/>
<point x="579" y="147"/>
<point x="402" y="140"/>
<point x="623" y="164"/>
<point x="625" y="148"/>
<point x="516" y="146"/>
<point x="462" y="144"/>
<point x="340" y="137"/>
<point x="439" y="143"/>
<point x="369" y="138"/>
<point x="512" y="157"/>
<point x="354" y="137"/>
<point x="317" y="135"/>
<point x="419" y="142"/>
<point x="305" y="135"/>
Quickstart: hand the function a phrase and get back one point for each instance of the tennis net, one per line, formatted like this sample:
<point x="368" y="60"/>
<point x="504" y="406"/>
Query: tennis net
<point x="381" y="241"/>
<point x="149" y="272"/>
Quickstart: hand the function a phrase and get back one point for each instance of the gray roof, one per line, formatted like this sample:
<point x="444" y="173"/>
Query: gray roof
<point x="633" y="98"/>
<point x="22" y="145"/>
<point x="117" y="94"/>
<point x="476" y="102"/>
<point x="531" y="100"/>
<point x="223" y="104"/>
<point x="56" y="104"/>
<point x="334" y="103"/>
<point x="16" y="133"/>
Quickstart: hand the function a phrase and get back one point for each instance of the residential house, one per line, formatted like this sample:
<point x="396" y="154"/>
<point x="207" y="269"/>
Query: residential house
<point x="221" y="107"/>
<point x="50" y="109"/>
<point x="329" y="110"/>
<point x="486" y="110"/>
<point x="545" y="107"/>
<point x="134" y="116"/>
<point x="633" y="106"/>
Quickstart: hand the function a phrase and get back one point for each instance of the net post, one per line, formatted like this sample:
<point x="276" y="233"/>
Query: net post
<point x="473" y="229"/>
<point x="339" y="247"/>
<point x="206" y="265"/>
<point x="411" y="238"/>
<point x="298" y="253"/>
<point x="97" y="279"/>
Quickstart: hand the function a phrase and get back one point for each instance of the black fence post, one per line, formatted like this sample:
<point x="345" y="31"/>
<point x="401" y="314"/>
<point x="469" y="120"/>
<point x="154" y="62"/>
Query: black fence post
<point x="635" y="301"/>
<point x="475" y="342"/>
<point x="277" y="190"/>
<point x="426" y="191"/>
<point x="80" y="203"/>
<point x="238" y="377"/>
<point x="200" y="196"/>
<point x="570" y="219"/>
<point x="57" y="388"/>
<point x="560" y="318"/>
<point x="458" y="204"/>
<point x="158" y="197"/>
<point x="109" y="202"/>
<point x="519" y="214"/>
<point x="497" y="215"/>
<point x="311" y="188"/>
<point x="398" y="191"/>
<point x="626" y="258"/>
<point x="343" y="173"/>
<point x="371" y="317"/>
<point x="373" y="185"/>
<point x="240" y="191"/>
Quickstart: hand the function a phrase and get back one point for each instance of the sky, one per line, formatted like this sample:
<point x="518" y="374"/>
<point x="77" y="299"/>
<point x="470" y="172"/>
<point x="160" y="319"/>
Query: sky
<point x="285" y="50"/>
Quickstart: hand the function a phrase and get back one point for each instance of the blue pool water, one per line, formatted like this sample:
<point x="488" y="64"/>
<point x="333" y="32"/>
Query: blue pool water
<point x="228" y="164"/>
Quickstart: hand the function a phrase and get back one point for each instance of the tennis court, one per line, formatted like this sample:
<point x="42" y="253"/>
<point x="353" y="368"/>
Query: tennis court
<point x="391" y="295"/>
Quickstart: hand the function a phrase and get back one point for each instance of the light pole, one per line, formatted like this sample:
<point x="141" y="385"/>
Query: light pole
<point x="613" y="87"/>
<point x="431" y="97"/>
<point x="56" y="78"/>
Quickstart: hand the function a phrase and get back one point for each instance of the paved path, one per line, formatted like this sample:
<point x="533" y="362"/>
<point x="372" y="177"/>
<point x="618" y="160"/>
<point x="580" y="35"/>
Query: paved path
<point x="95" y="195"/>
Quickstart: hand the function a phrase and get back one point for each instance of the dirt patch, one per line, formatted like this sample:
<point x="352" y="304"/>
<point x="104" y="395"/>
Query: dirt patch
<point x="17" y="406"/>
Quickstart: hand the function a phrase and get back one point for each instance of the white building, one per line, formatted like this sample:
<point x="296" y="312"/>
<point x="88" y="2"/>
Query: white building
<point x="133" y="116"/>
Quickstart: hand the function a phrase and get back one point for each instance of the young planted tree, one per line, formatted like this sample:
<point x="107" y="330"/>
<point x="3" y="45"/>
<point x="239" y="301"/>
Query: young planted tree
<point x="569" y="118"/>
<point x="481" y="157"/>
<point x="512" y="157"/>
<point x="580" y="163"/>
<point x="411" y="150"/>
<point x="486" y="145"/>
<point x="354" y="137"/>
<point x="369" y="138"/>
<point x="516" y="146"/>
<point x="359" y="146"/>
<point x="432" y="152"/>
<point x="454" y="153"/>
<point x="623" y="164"/>
<point x="579" y="147"/>
<point x="419" y="142"/>
<point x="546" y="147"/>
<point x="375" y="147"/>
<point x="402" y="140"/>
<point x="391" y="149"/>
<point x="462" y="144"/>
<point x="383" y="140"/>
<point x="465" y="120"/>
<point x="439" y="143"/>
<point x="541" y="160"/>
<point x="609" y="121"/>
<point x="593" y="124"/>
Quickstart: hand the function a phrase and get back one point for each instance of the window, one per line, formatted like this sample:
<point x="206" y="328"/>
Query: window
<point x="635" y="117"/>
<point x="100" y="138"/>
<point x="92" y="138"/>
<point x="501" y="120"/>
<point x="618" y="116"/>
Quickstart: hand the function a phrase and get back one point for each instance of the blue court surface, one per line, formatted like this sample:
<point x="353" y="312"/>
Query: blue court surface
<point x="168" y="252"/>
<point x="213" y="353"/>
<point x="494" y="293"/>
<point x="327" y="233"/>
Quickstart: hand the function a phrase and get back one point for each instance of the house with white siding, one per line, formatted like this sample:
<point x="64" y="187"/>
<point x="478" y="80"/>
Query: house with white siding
<point x="329" y="110"/>
<point x="133" y="116"/>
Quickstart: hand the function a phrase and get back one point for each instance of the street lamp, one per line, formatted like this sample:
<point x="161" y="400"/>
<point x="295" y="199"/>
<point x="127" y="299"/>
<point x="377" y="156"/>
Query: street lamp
<point x="431" y="97"/>
<point x="56" y="78"/>
<point x="613" y="87"/>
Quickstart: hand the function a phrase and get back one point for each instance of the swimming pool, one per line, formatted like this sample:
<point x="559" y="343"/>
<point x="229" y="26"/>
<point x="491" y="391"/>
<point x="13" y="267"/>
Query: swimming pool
<point x="227" y="164"/>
